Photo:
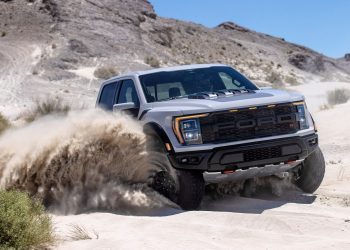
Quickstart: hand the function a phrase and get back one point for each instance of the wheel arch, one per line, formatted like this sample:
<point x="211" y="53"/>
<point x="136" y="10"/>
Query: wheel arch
<point x="153" y="127"/>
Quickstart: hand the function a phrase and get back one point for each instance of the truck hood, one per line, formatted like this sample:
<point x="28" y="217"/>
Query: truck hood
<point x="259" y="98"/>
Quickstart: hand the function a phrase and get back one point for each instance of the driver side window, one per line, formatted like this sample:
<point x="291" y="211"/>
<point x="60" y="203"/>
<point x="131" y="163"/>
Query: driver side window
<point x="128" y="93"/>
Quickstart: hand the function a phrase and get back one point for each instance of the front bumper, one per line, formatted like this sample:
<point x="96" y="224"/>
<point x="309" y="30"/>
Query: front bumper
<point x="240" y="175"/>
<point x="245" y="156"/>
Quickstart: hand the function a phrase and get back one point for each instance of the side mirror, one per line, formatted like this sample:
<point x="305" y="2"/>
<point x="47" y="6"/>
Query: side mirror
<point x="128" y="108"/>
<point x="124" y="106"/>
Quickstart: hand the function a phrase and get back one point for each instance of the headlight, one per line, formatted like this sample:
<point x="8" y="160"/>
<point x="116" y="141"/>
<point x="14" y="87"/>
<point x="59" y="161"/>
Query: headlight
<point x="302" y="119"/>
<point x="188" y="130"/>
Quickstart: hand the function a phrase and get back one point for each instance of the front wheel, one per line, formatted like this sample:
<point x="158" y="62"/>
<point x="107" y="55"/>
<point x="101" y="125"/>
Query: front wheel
<point x="184" y="187"/>
<point x="191" y="189"/>
<point x="311" y="172"/>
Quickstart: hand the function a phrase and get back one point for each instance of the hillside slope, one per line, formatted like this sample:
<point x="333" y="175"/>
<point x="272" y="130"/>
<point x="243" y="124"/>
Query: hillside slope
<point x="77" y="36"/>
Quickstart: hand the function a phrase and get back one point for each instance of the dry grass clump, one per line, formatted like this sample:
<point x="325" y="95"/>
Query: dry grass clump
<point x="80" y="233"/>
<point x="291" y="80"/>
<point x="338" y="96"/>
<point x="152" y="61"/>
<point x="4" y="123"/>
<point x="274" y="78"/>
<point x="24" y="222"/>
<point x="105" y="72"/>
<point x="49" y="106"/>
<point x="325" y="107"/>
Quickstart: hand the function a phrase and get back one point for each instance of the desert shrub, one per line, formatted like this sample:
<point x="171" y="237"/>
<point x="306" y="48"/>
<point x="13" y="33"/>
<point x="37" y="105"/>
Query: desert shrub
<point x="291" y="80"/>
<point x="273" y="77"/>
<point x="49" y="106"/>
<point x="80" y="233"/>
<point x="338" y="96"/>
<point x="325" y="107"/>
<point x="4" y="123"/>
<point x="105" y="72"/>
<point x="152" y="61"/>
<point x="24" y="223"/>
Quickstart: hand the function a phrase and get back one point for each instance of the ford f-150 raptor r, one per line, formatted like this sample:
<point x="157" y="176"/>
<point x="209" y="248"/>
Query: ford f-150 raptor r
<point x="213" y="125"/>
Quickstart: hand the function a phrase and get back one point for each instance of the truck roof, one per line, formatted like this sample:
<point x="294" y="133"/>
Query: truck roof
<point x="167" y="69"/>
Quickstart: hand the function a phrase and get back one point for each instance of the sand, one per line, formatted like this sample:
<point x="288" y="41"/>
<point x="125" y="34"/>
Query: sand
<point x="291" y="221"/>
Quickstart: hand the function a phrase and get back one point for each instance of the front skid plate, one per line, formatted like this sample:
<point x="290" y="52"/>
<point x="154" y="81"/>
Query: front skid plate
<point x="240" y="175"/>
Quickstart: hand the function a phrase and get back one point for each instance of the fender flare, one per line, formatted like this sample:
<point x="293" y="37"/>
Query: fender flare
<point x="153" y="127"/>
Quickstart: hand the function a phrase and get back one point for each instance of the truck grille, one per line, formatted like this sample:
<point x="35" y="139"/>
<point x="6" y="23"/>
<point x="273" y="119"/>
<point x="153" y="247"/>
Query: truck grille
<point x="249" y="123"/>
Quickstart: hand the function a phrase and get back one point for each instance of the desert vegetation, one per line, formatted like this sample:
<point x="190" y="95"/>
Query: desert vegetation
<point x="152" y="61"/>
<point x="24" y="222"/>
<point x="105" y="72"/>
<point x="334" y="97"/>
<point x="52" y="105"/>
<point x="4" y="123"/>
<point x="78" y="232"/>
<point x="291" y="79"/>
<point x="338" y="96"/>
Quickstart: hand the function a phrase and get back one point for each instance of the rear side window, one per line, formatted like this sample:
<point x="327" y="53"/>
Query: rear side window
<point x="108" y="96"/>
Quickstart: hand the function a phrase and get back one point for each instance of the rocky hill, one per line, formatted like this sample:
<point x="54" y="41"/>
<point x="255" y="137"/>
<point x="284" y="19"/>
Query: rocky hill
<point x="62" y="43"/>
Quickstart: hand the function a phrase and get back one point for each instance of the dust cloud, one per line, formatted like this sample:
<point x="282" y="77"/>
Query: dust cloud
<point x="94" y="160"/>
<point x="80" y="161"/>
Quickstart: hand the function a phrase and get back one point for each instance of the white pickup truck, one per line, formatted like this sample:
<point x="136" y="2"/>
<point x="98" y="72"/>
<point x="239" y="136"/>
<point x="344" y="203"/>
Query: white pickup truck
<point x="214" y="125"/>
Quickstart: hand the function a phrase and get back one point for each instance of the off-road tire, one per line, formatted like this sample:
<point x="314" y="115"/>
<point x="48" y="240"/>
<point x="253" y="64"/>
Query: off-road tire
<point x="311" y="172"/>
<point x="165" y="184"/>
<point x="191" y="189"/>
<point x="186" y="188"/>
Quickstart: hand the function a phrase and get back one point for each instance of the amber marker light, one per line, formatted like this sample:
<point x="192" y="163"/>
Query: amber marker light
<point x="298" y="103"/>
<point x="168" y="146"/>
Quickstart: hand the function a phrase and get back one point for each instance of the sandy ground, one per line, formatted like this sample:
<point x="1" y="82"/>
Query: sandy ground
<point x="292" y="221"/>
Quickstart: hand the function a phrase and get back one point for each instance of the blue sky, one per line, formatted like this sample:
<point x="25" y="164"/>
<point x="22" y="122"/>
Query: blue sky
<point x="323" y="25"/>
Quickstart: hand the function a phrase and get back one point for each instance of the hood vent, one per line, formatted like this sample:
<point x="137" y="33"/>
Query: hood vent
<point x="203" y="95"/>
<point x="220" y="93"/>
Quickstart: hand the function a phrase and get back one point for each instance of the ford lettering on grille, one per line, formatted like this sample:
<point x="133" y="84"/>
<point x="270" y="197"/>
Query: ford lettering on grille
<point x="248" y="124"/>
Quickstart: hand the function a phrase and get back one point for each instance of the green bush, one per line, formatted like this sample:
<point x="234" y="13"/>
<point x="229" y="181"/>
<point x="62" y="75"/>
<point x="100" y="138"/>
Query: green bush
<point x="105" y="72"/>
<point x="338" y="96"/>
<point x="4" y="123"/>
<point x="23" y="222"/>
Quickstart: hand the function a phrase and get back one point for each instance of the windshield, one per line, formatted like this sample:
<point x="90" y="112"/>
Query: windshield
<point x="163" y="86"/>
